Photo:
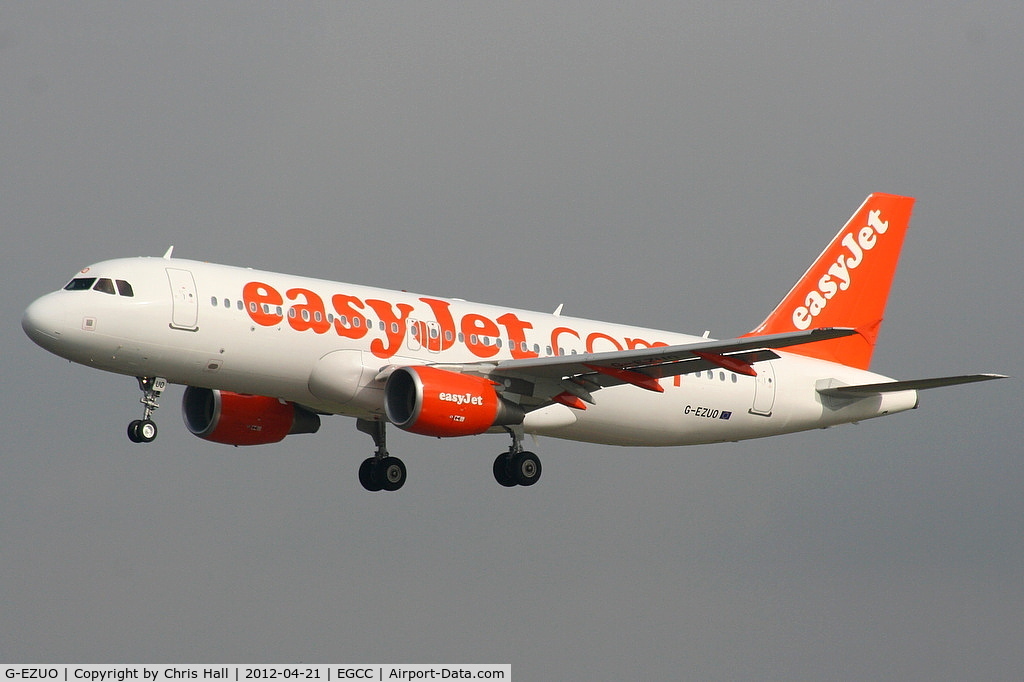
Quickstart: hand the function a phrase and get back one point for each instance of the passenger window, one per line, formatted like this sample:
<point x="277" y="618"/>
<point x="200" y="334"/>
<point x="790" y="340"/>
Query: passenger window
<point x="80" y="284"/>
<point x="124" y="288"/>
<point x="104" y="285"/>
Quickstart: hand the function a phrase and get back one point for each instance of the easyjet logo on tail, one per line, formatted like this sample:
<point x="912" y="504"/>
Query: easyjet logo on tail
<point x="840" y="274"/>
<point x="848" y="283"/>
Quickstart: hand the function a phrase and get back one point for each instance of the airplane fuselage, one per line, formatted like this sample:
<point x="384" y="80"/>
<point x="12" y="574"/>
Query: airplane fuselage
<point x="264" y="354"/>
<point x="322" y="344"/>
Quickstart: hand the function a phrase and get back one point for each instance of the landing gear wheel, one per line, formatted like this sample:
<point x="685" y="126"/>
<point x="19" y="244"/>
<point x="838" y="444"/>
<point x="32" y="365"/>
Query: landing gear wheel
<point x="367" y="477"/>
<point x="501" y="471"/>
<point x="142" y="431"/>
<point x="525" y="468"/>
<point x="391" y="473"/>
<point x="382" y="471"/>
<point x="517" y="466"/>
<point x="133" y="431"/>
<point x="146" y="431"/>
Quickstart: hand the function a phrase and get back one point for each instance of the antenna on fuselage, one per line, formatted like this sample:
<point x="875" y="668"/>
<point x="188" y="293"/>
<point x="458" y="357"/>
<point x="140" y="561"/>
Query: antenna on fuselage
<point x="167" y="256"/>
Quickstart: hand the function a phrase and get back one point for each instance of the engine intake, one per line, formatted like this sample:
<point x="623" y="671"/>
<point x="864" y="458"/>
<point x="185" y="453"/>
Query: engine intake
<point x="437" y="402"/>
<point x="239" y="419"/>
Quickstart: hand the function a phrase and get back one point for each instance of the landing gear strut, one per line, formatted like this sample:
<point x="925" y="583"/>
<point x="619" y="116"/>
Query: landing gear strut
<point x="382" y="471"/>
<point x="144" y="430"/>
<point x="517" y="466"/>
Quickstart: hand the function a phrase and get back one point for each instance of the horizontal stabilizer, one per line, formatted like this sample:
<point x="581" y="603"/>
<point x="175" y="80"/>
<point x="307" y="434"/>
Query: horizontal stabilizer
<point x="912" y="385"/>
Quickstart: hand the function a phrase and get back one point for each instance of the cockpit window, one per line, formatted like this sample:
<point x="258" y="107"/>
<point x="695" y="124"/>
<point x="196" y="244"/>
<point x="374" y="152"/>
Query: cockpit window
<point x="104" y="285"/>
<point x="80" y="284"/>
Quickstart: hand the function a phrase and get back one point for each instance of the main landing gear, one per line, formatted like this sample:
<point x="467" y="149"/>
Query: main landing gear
<point x="382" y="471"/>
<point x="517" y="466"/>
<point x="144" y="430"/>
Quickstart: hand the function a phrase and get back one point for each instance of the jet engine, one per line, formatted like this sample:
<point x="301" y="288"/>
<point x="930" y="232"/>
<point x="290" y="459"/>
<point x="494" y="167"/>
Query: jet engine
<point x="438" y="402"/>
<point x="238" y="419"/>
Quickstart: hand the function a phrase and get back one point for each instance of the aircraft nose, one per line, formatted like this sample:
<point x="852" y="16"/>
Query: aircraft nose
<point x="43" y="320"/>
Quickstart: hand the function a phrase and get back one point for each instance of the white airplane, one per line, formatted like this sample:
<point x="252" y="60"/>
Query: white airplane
<point x="265" y="354"/>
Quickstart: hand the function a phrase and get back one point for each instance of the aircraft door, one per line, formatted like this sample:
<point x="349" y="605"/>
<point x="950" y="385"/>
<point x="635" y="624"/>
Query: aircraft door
<point x="424" y="335"/>
<point x="415" y="334"/>
<point x="184" y="301"/>
<point x="764" y="389"/>
<point x="433" y="337"/>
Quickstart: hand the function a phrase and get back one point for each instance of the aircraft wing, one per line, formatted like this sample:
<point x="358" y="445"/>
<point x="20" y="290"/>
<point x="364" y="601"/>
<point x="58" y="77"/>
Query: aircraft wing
<point x="569" y="379"/>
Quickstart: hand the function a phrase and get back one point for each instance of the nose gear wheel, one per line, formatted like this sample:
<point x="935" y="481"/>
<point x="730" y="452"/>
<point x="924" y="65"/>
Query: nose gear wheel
<point x="144" y="430"/>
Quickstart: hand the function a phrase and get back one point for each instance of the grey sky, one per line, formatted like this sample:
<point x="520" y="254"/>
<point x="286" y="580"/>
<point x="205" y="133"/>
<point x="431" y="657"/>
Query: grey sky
<point x="674" y="165"/>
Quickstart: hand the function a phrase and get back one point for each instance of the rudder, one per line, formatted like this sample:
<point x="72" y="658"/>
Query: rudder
<point x="848" y="285"/>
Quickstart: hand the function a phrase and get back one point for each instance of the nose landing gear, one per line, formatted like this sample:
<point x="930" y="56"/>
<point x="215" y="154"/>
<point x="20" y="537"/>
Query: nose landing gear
<point x="144" y="430"/>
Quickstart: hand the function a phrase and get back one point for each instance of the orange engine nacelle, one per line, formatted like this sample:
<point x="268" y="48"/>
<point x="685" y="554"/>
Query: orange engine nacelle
<point x="237" y="419"/>
<point x="437" y="402"/>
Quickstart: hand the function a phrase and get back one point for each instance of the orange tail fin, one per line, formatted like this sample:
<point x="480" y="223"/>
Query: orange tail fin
<point x="848" y="285"/>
